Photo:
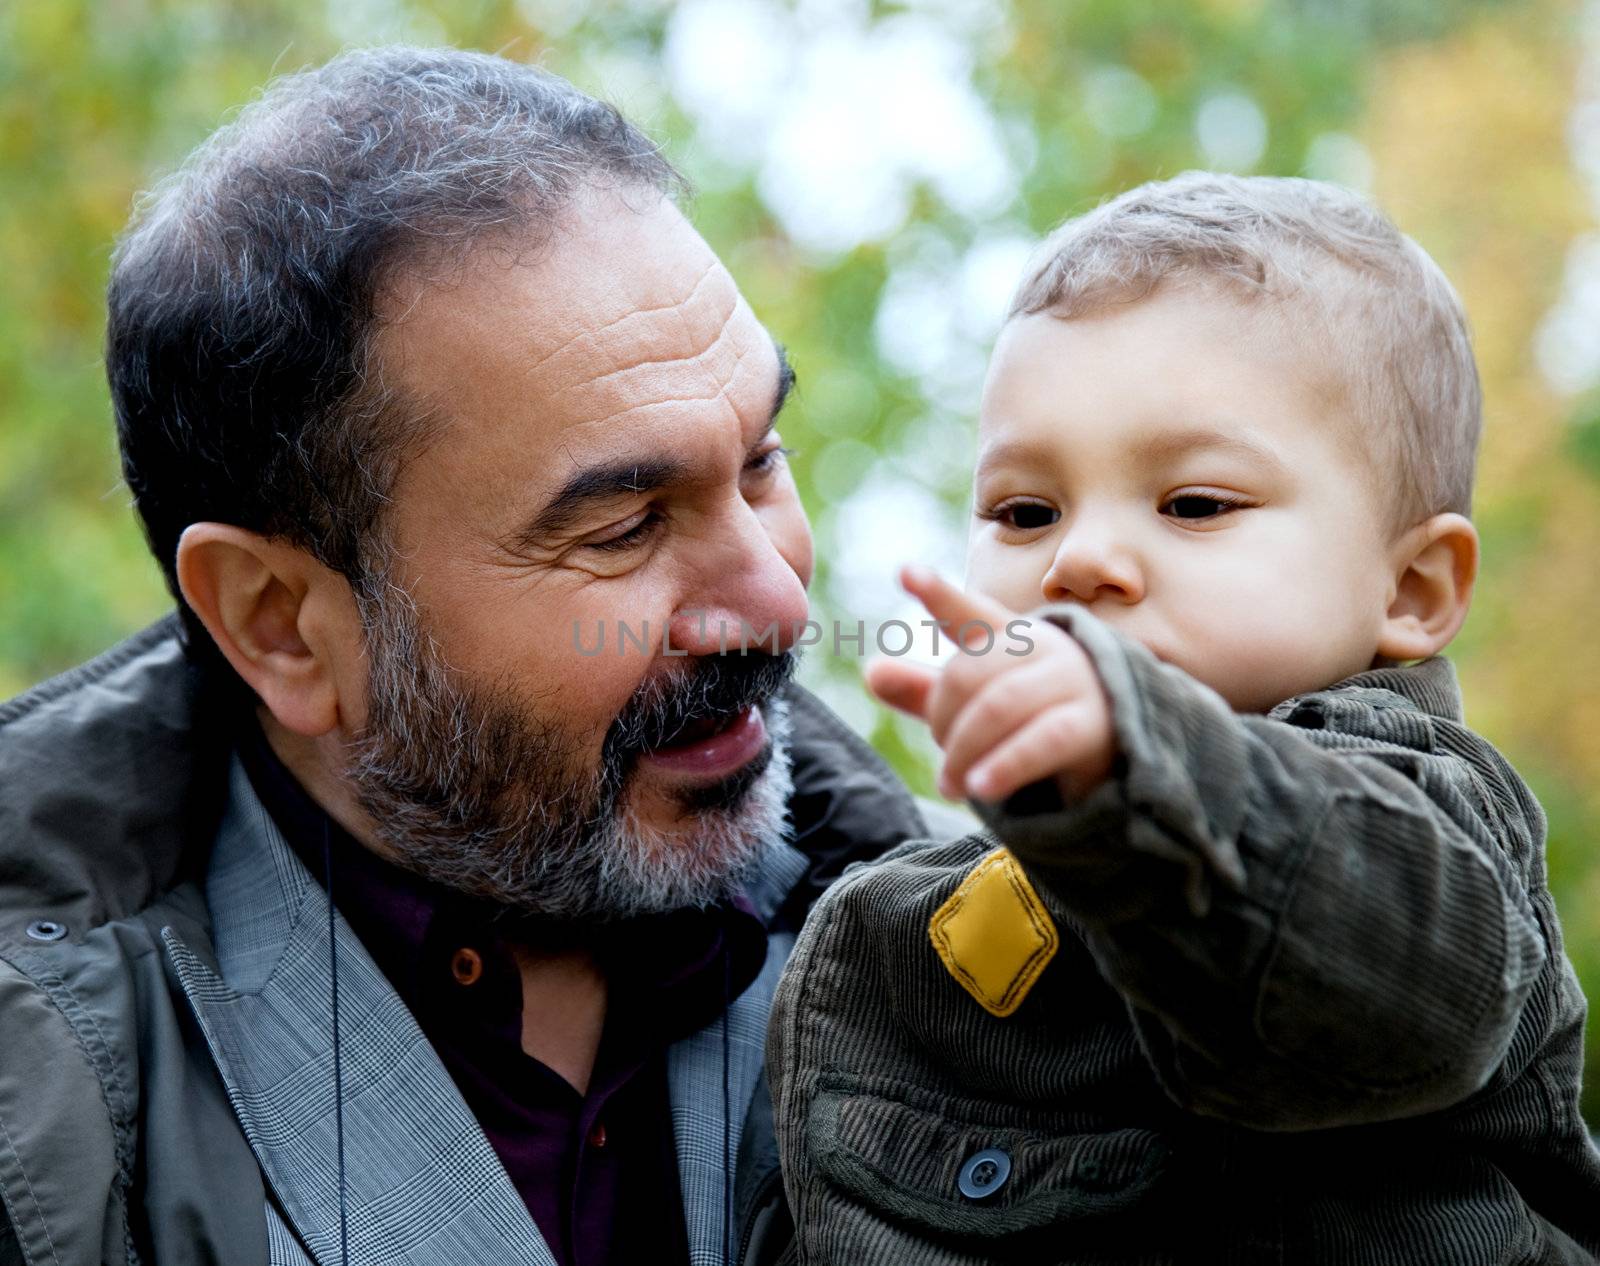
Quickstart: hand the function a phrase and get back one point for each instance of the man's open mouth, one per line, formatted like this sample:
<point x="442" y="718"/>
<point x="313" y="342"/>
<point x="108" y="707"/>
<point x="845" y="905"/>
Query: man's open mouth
<point x="712" y="746"/>
<point x="703" y="726"/>
<point x="698" y="731"/>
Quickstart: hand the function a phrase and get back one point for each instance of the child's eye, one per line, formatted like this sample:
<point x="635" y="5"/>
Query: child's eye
<point x="1199" y="505"/>
<point x="1027" y="516"/>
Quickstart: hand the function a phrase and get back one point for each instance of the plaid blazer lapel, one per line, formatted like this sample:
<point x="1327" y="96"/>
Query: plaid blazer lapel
<point x="694" y="1078"/>
<point x="707" y="1148"/>
<point x="422" y="1183"/>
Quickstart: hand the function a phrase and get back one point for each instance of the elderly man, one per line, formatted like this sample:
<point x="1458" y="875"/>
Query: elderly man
<point x="365" y="911"/>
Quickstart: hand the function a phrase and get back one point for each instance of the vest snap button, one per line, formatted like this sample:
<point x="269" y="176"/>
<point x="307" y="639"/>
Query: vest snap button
<point x="984" y="1173"/>
<point x="46" y="930"/>
<point x="466" y="965"/>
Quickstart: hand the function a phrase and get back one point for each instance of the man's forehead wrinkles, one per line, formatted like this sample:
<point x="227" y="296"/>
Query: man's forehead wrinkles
<point x="725" y="391"/>
<point x="718" y="373"/>
<point x="649" y="357"/>
<point x="680" y="400"/>
<point x="702" y="321"/>
<point x="762" y="419"/>
<point x="701" y="378"/>
<point x="730" y="384"/>
<point x="692" y="408"/>
<point x="592" y="341"/>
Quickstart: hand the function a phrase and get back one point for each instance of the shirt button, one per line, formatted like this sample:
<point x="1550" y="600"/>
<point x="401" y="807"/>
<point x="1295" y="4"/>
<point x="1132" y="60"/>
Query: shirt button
<point x="597" y="1136"/>
<point x="984" y="1173"/>
<point x="466" y="965"/>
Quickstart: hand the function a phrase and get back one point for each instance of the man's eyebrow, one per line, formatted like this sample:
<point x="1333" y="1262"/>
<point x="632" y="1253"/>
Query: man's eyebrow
<point x="780" y="397"/>
<point x="785" y="379"/>
<point x="591" y="484"/>
<point x="603" y="482"/>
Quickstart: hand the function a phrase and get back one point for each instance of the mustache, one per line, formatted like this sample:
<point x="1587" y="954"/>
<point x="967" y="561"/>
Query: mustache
<point x="713" y="688"/>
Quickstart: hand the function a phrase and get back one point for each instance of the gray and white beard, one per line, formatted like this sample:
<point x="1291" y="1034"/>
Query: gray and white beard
<point x="469" y="789"/>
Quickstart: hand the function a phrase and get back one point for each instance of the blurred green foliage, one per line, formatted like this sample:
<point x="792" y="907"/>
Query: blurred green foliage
<point x="1455" y="111"/>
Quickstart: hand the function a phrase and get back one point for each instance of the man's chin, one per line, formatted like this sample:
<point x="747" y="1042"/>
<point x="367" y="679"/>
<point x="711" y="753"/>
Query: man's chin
<point x="698" y="842"/>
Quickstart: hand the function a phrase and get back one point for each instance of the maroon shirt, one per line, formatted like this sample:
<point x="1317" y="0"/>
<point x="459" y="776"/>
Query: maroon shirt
<point x="598" y="1171"/>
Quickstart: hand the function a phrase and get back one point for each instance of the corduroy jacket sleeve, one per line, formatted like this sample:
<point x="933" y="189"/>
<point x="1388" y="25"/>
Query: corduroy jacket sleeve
<point x="1318" y="917"/>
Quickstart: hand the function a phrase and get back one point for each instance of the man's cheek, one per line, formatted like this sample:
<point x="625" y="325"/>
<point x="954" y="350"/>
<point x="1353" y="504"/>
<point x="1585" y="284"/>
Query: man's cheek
<point x="612" y="630"/>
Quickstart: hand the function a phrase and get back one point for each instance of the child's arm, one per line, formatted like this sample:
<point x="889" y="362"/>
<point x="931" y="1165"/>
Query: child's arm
<point x="1317" y="921"/>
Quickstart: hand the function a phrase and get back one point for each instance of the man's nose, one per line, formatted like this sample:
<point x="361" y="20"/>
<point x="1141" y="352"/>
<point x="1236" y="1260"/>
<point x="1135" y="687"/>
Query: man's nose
<point x="745" y="595"/>
<point x="1092" y="564"/>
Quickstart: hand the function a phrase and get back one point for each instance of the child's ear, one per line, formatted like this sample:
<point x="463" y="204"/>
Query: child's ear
<point x="1435" y="565"/>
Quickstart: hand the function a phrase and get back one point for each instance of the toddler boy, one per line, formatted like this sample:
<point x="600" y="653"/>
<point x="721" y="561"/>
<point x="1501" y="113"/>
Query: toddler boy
<point x="1258" y="963"/>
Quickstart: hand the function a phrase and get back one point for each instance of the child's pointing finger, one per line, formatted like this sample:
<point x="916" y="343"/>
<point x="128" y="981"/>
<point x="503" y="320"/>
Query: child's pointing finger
<point x="953" y="609"/>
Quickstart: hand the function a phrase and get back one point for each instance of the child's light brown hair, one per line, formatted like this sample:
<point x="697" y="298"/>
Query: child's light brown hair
<point x="1346" y="283"/>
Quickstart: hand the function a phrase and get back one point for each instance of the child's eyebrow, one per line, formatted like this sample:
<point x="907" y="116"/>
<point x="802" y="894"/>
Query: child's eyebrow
<point x="1164" y="446"/>
<point x="1171" y="444"/>
<point x="1017" y="453"/>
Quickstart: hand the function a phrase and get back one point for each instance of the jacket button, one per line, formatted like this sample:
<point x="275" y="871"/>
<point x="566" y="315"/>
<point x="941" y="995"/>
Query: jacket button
<point x="46" y="930"/>
<point x="466" y="965"/>
<point x="984" y="1173"/>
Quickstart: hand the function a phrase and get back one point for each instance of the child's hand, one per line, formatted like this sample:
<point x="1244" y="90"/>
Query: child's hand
<point x="1003" y="720"/>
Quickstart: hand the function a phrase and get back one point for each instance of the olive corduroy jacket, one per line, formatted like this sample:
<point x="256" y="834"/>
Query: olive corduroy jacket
<point x="1307" y="1002"/>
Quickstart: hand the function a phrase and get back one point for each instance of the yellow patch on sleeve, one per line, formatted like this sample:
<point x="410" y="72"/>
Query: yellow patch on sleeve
<point x="994" y="934"/>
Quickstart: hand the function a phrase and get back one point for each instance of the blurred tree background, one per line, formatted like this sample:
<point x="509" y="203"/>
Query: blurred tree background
<point x="874" y="173"/>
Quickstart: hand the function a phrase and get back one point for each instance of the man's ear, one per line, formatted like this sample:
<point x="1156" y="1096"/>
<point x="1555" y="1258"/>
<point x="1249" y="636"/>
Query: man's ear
<point x="285" y="622"/>
<point x="1435" y="565"/>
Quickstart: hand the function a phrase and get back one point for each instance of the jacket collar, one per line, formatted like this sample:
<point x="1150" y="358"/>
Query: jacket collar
<point x="847" y="805"/>
<point x="110" y="786"/>
<point x="1429" y="685"/>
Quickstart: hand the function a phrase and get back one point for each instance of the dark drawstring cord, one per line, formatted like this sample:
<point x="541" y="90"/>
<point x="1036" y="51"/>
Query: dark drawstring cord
<point x="338" y="1079"/>
<point x="727" y="1112"/>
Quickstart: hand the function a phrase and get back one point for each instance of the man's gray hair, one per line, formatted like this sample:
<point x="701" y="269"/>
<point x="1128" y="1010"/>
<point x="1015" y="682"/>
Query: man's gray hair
<point x="1365" y="296"/>
<point x="245" y="297"/>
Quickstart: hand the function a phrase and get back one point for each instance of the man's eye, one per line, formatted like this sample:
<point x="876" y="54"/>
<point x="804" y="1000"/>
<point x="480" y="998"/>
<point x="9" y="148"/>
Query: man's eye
<point x="1199" y="505"/>
<point x="1027" y="516"/>
<point x="638" y="534"/>
<point x="769" y="460"/>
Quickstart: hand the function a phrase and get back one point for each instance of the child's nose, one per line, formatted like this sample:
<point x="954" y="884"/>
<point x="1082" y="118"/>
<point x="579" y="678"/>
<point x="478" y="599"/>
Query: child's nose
<point x="1089" y="566"/>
